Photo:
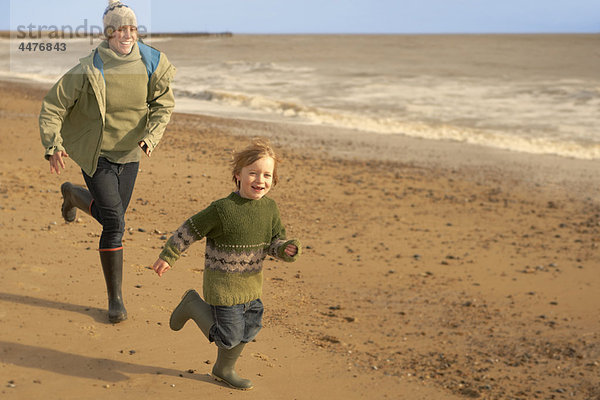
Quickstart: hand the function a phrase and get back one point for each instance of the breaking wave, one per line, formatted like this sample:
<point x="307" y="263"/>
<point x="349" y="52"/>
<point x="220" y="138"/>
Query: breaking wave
<point x="299" y="113"/>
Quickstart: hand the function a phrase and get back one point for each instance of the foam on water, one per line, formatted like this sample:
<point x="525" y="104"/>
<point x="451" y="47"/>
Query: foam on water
<point x="259" y="107"/>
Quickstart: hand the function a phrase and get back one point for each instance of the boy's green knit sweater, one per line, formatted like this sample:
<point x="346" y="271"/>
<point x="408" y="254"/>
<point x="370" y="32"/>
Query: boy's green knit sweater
<point x="239" y="233"/>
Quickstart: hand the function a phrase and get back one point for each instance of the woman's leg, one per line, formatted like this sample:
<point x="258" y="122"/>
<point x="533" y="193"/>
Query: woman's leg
<point x="111" y="188"/>
<point x="74" y="197"/>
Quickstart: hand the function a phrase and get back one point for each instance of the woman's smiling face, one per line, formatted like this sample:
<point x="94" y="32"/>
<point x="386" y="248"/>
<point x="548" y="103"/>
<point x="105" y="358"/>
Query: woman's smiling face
<point x="122" y="39"/>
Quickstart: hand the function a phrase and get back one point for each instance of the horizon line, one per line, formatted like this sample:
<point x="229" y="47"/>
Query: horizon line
<point x="9" y="32"/>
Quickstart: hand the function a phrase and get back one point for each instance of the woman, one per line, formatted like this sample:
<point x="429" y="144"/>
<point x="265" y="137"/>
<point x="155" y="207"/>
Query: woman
<point x="104" y="113"/>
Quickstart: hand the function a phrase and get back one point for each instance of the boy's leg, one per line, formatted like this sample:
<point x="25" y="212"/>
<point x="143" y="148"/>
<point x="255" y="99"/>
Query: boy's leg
<point x="252" y="320"/>
<point x="192" y="307"/>
<point x="228" y="333"/>
<point x="224" y="369"/>
<point x="229" y="324"/>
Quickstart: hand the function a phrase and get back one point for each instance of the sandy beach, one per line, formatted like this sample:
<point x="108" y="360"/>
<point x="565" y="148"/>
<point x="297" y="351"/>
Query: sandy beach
<point x="430" y="270"/>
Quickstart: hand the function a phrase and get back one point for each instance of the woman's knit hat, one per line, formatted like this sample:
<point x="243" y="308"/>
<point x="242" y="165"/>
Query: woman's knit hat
<point x="117" y="15"/>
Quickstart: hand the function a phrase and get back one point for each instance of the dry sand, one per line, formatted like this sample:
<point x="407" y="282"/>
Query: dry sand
<point x="430" y="271"/>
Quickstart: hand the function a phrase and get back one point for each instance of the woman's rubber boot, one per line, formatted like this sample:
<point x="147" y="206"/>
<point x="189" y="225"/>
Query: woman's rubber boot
<point x="224" y="369"/>
<point x="74" y="197"/>
<point x="112" y="266"/>
<point x="193" y="307"/>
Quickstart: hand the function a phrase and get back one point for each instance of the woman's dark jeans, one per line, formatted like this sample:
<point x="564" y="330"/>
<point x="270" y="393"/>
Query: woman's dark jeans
<point x="111" y="188"/>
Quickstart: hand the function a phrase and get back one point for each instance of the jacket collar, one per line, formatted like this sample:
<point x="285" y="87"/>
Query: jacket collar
<point x="150" y="58"/>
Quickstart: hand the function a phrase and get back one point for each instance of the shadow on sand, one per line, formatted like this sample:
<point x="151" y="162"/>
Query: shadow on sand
<point x="98" y="314"/>
<point x="101" y="369"/>
<point x="60" y="362"/>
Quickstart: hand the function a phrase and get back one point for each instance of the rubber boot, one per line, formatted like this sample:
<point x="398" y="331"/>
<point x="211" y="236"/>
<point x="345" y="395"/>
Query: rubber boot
<point x="224" y="369"/>
<point x="74" y="197"/>
<point x="112" y="266"/>
<point x="193" y="307"/>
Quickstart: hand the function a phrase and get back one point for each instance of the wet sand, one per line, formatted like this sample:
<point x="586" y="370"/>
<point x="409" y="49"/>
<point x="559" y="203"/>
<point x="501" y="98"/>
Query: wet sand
<point x="431" y="270"/>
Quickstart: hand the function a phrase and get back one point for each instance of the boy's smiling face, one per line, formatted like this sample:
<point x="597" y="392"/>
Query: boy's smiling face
<point x="255" y="179"/>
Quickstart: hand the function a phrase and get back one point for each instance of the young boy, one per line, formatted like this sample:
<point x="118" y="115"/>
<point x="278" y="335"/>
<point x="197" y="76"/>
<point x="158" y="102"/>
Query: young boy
<point x="240" y="230"/>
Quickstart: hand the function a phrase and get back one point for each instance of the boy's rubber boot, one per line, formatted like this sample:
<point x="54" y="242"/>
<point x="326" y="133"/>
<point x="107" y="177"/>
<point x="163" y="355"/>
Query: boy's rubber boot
<point x="112" y="266"/>
<point x="224" y="368"/>
<point x="74" y="197"/>
<point x="193" y="307"/>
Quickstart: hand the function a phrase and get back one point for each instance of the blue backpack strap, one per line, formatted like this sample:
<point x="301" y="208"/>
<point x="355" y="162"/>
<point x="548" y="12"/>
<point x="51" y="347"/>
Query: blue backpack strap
<point x="150" y="57"/>
<point x="98" y="62"/>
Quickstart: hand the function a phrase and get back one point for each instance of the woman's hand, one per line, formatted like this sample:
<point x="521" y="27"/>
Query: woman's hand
<point x="144" y="148"/>
<point x="56" y="161"/>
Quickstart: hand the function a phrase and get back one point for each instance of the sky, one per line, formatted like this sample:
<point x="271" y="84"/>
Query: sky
<point x="319" y="16"/>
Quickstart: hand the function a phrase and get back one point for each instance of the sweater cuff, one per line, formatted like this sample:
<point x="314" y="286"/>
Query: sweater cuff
<point x="283" y="255"/>
<point x="169" y="255"/>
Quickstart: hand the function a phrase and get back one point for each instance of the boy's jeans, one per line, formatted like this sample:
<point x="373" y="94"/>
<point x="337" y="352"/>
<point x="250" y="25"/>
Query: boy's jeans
<point x="236" y="324"/>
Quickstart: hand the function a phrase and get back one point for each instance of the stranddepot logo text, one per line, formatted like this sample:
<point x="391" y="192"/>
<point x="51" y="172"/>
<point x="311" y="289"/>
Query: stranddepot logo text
<point x="33" y="31"/>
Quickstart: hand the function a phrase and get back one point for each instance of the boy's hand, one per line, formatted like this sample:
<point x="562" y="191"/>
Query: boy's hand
<point x="161" y="266"/>
<point x="291" y="250"/>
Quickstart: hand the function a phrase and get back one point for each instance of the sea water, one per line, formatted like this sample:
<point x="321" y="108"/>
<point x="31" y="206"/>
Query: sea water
<point x="529" y="93"/>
